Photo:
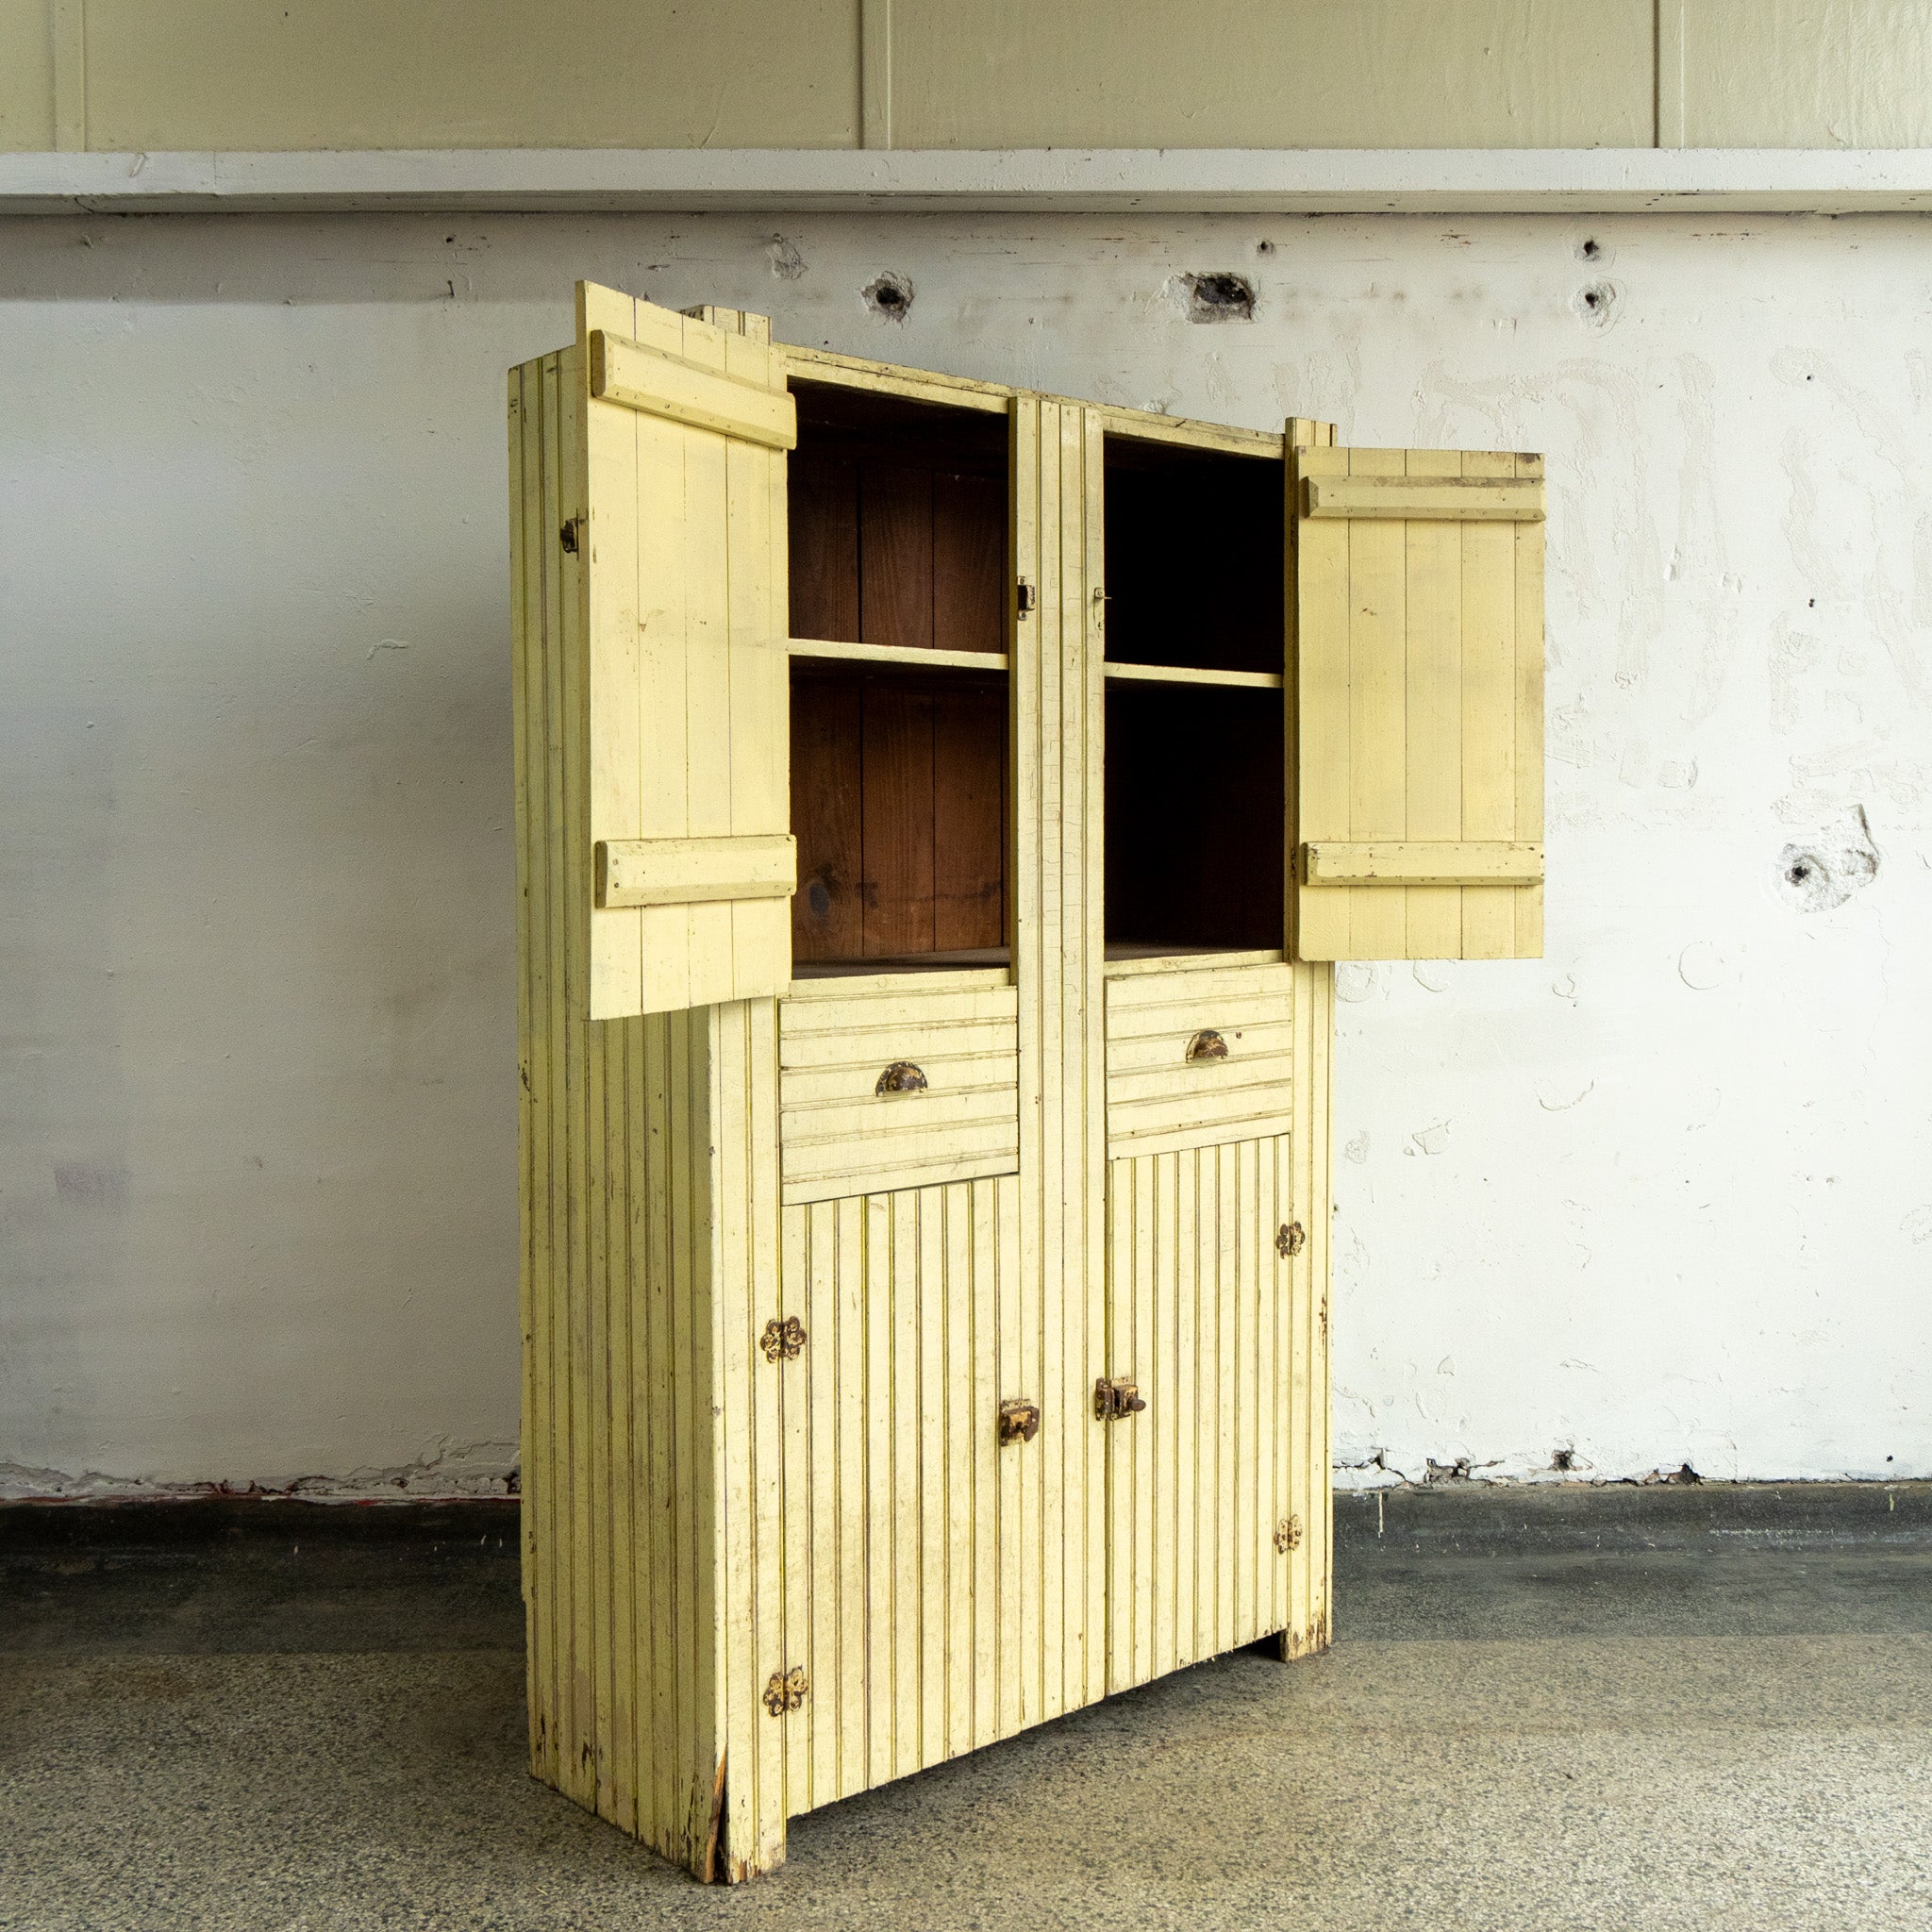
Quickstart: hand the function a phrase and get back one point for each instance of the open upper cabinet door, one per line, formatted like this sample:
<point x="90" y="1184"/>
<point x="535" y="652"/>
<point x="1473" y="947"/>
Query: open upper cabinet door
<point x="1416" y="678"/>
<point x="686" y="422"/>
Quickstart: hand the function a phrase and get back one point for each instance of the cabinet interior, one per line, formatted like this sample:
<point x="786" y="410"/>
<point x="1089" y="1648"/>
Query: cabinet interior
<point x="899" y="771"/>
<point x="898" y="522"/>
<point x="1195" y="553"/>
<point x="1195" y="831"/>
<point x="1195" y="795"/>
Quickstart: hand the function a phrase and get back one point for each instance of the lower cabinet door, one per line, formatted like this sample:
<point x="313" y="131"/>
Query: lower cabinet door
<point x="908" y="1572"/>
<point x="1202" y="1484"/>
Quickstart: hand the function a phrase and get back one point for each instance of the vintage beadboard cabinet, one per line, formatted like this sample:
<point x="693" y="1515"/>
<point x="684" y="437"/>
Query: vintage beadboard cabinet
<point x="938" y="806"/>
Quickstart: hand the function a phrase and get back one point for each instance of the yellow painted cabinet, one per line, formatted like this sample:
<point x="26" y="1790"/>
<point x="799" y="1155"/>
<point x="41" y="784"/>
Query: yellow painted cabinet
<point x="925" y="1116"/>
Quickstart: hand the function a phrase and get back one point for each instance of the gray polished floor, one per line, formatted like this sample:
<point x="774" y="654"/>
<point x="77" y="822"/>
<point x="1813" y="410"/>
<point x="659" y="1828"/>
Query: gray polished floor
<point x="1620" y="1708"/>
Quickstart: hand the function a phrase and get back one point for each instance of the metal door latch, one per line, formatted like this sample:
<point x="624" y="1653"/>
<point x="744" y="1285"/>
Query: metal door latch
<point x="1019" y="1421"/>
<point x="783" y="1339"/>
<point x="785" y="1691"/>
<point x="1115" y="1397"/>
<point x="1291" y="1238"/>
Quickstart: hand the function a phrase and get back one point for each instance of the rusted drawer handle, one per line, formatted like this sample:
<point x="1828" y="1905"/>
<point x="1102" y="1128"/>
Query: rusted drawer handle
<point x="1207" y="1045"/>
<point x="902" y="1076"/>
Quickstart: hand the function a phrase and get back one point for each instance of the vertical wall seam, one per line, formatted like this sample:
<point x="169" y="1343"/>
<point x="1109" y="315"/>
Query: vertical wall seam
<point x="875" y="73"/>
<point x="1669" y="42"/>
<point x="68" y="23"/>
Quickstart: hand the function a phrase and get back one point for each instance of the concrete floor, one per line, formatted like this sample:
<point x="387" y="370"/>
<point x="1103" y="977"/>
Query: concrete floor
<point x="1698" y="1707"/>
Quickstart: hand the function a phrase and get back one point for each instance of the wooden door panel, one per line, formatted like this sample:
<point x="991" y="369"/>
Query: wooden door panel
<point x="906" y="1569"/>
<point x="1418" y="704"/>
<point x="1200" y="1481"/>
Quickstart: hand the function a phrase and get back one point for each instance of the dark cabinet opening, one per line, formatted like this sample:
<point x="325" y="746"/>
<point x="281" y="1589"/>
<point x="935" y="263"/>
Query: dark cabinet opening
<point x="1195" y="831"/>
<point x="1195" y="553"/>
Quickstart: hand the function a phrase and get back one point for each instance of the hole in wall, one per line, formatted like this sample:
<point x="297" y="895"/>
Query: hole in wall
<point x="890" y="296"/>
<point x="1221" y="296"/>
<point x="1596" y="304"/>
<point x="1825" y="870"/>
<point x="787" y="264"/>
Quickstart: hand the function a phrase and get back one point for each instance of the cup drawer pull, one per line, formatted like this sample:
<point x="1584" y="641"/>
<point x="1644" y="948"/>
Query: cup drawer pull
<point x="902" y="1076"/>
<point x="1207" y="1045"/>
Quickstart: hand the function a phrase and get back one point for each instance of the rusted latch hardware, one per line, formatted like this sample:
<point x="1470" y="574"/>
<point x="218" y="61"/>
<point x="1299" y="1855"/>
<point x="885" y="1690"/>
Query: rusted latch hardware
<point x="1287" y="1534"/>
<point x="1291" y="1238"/>
<point x="1116" y="1397"/>
<point x="1028" y="597"/>
<point x="1019" y="1421"/>
<point x="1207" y="1045"/>
<point x="569" y="535"/>
<point x="783" y="1339"/>
<point x="786" y="1690"/>
<point x="902" y="1076"/>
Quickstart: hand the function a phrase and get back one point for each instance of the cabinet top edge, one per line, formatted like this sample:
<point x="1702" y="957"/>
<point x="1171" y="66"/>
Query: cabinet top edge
<point x="968" y="392"/>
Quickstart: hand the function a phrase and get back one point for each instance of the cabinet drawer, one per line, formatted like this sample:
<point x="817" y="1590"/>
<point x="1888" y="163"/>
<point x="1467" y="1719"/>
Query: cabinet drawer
<point x="1158" y="1097"/>
<point x="839" y="1134"/>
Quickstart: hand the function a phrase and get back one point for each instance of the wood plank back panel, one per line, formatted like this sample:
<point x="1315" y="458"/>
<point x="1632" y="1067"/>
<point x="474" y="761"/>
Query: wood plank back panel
<point x="898" y="799"/>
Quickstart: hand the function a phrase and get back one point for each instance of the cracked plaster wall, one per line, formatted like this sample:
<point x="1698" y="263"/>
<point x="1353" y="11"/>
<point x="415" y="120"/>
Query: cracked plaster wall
<point x="1662" y="1198"/>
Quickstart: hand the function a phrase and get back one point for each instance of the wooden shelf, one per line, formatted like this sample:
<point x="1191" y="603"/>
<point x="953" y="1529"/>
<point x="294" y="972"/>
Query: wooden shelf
<point x="1183" y="673"/>
<point x="899" y="654"/>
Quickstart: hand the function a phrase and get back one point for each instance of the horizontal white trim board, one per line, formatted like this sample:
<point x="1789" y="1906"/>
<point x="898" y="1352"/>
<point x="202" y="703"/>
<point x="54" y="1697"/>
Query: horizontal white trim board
<point x="1075" y="180"/>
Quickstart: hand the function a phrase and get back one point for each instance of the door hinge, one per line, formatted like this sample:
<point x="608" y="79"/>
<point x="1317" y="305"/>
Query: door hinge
<point x="1291" y="1238"/>
<point x="1028" y="597"/>
<point x="1287" y="1534"/>
<point x="785" y="1691"/>
<point x="571" y="535"/>
<point x="1115" y="1398"/>
<point x="783" y="1339"/>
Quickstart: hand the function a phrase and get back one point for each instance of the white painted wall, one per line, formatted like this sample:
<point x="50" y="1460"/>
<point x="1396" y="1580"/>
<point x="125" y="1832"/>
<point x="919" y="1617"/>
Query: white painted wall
<point x="1662" y="1197"/>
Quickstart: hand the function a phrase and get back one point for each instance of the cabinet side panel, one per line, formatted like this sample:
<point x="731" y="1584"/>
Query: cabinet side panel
<point x="534" y="952"/>
<point x="1309" y="1477"/>
<point x="620" y="1358"/>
